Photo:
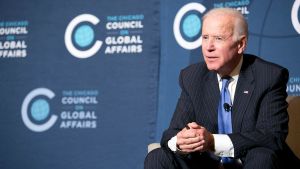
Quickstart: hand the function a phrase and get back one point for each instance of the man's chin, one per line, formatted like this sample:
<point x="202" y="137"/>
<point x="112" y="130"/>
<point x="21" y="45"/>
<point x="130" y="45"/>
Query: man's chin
<point x="212" y="68"/>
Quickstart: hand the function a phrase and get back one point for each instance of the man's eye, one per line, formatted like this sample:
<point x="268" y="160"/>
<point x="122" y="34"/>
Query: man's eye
<point x="205" y="37"/>
<point x="219" y="38"/>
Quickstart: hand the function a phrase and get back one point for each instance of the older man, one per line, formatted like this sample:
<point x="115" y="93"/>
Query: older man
<point x="232" y="111"/>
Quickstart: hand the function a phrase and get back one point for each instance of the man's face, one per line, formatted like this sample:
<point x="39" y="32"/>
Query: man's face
<point x="220" y="50"/>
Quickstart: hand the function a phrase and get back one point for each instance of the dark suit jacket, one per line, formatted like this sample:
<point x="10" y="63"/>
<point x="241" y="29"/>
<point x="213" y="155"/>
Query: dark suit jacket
<point x="259" y="112"/>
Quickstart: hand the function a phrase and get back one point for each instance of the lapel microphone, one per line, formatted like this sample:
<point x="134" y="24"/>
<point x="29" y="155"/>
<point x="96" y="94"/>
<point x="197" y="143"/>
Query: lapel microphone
<point x="227" y="107"/>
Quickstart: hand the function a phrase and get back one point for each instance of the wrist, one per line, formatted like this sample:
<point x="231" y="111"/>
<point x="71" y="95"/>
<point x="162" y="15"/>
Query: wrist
<point x="211" y="143"/>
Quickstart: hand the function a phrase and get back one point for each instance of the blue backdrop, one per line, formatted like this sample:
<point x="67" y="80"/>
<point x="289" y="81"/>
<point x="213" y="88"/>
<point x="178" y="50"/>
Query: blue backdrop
<point x="89" y="84"/>
<point x="78" y="83"/>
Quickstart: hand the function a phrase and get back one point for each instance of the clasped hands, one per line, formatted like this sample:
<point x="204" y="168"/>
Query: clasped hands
<point x="194" y="138"/>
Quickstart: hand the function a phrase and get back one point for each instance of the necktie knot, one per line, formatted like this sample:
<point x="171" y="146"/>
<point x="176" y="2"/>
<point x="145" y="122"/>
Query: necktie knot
<point x="225" y="82"/>
<point x="226" y="77"/>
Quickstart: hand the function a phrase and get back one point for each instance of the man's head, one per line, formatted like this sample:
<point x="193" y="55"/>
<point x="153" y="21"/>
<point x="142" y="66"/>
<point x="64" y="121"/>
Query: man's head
<point x="224" y="39"/>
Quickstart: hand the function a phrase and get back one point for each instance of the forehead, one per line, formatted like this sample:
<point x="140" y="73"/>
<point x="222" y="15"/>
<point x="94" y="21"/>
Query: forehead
<point x="218" y="25"/>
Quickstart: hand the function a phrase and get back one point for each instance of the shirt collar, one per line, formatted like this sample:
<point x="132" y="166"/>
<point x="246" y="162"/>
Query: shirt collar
<point x="236" y="71"/>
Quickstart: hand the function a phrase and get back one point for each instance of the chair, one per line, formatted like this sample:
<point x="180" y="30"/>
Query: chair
<point x="293" y="138"/>
<point x="153" y="146"/>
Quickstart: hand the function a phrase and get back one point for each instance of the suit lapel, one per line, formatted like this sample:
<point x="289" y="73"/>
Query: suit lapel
<point x="212" y="95"/>
<point x="244" y="90"/>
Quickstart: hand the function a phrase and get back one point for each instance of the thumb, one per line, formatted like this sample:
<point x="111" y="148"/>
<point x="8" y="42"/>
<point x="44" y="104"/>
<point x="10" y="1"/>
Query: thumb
<point x="194" y="125"/>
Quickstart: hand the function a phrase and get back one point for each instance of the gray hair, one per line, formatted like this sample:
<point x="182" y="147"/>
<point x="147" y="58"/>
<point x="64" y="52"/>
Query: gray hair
<point x="240" y="23"/>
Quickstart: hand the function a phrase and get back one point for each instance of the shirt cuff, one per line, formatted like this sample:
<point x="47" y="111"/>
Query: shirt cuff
<point x="223" y="145"/>
<point x="172" y="143"/>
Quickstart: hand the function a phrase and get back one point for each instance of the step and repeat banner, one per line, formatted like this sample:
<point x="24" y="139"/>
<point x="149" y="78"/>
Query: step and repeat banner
<point x="89" y="84"/>
<point x="78" y="83"/>
<point x="274" y="30"/>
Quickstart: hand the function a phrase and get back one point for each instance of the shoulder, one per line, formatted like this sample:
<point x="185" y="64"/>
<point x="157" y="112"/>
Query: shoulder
<point x="195" y="75"/>
<point x="263" y="68"/>
<point x="261" y="63"/>
<point x="195" y="70"/>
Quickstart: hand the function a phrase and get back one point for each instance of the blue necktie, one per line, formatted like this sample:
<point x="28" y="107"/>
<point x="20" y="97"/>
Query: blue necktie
<point x="224" y="112"/>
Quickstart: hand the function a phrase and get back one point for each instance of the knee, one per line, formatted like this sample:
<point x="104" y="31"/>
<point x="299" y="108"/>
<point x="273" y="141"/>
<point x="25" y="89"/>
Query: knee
<point x="262" y="158"/>
<point x="155" y="158"/>
<point x="159" y="158"/>
<point x="154" y="155"/>
<point x="263" y="154"/>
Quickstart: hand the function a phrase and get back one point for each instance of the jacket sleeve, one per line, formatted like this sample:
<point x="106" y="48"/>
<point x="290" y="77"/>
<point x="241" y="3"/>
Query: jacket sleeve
<point x="183" y="114"/>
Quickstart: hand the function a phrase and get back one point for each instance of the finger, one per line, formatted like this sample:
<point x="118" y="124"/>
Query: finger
<point x="201" y="132"/>
<point x="200" y="148"/>
<point x="181" y="133"/>
<point x="190" y="143"/>
<point x="193" y="125"/>
<point x="185" y="134"/>
<point x="190" y="146"/>
<point x="193" y="148"/>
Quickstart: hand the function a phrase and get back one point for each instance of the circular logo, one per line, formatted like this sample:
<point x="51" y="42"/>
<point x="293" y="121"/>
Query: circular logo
<point x="40" y="109"/>
<point x="84" y="36"/>
<point x="191" y="26"/>
<point x="294" y="15"/>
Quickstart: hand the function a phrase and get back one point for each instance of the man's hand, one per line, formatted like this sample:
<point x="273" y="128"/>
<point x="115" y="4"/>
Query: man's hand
<point x="194" y="138"/>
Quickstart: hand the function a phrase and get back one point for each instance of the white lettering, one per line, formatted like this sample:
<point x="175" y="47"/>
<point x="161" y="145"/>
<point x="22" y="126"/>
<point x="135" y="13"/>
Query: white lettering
<point x="13" y="45"/>
<point x="79" y="100"/>
<point x="13" y="31"/>
<point x="293" y="88"/>
<point x="124" y="25"/>
<point x="123" y="40"/>
<point x="78" y="115"/>
<point x="124" y="49"/>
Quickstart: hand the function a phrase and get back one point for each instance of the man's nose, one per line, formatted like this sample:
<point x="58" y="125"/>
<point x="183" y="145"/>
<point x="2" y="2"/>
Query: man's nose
<point x="210" y="45"/>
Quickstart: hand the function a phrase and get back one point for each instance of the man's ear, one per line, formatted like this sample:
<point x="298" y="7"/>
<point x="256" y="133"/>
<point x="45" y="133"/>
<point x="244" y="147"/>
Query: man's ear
<point x="242" y="43"/>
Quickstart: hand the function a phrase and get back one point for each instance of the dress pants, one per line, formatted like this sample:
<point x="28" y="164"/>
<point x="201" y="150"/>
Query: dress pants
<point x="163" y="158"/>
<point x="256" y="158"/>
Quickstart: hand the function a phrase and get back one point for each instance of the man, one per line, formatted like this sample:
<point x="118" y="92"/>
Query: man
<point x="244" y="127"/>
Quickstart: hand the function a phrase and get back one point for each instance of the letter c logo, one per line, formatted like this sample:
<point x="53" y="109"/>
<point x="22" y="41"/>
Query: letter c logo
<point x="85" y="30"/>
<point x="294" y="15"/>
<point x="176" y="26"/>
<point x="41" y="106"/>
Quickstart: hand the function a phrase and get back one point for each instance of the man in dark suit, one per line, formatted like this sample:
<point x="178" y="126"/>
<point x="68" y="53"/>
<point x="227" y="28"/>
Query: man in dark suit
<point x="257" y="107"/>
